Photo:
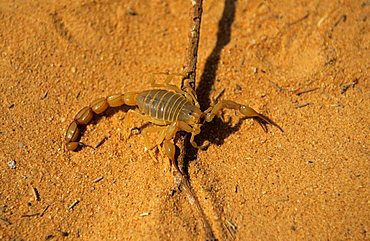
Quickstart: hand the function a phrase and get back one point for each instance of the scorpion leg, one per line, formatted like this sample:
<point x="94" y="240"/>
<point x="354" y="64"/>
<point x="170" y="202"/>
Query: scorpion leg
<point x="169" y="147"/>
<point x="190" y="93"/>
<point x="244" y="109"/>
<point x="153" y="129"/>
<point x="183" y="126"/>
<point x="166" y="135"/>
<point x="128" y="121"/>
<point x="150" y="146"/>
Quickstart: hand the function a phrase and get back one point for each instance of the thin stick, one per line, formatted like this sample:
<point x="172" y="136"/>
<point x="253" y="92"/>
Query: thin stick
<point x="36" y="194"/>
<point x="194" y="200"/>
<point x="188" y="84"/>
<point x="5" y="221"/>
<point x="189" y="69"/>
<point x="73" y="204"/>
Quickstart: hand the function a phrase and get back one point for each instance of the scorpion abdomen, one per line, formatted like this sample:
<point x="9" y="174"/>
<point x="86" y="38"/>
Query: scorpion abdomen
<point x="165" y="105"/>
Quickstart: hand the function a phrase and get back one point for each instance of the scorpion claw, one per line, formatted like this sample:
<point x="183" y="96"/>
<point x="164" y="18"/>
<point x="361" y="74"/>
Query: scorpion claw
<point x="264" y="120"/>
<point x="263" y="124"/>
<point x="261" y="119"/>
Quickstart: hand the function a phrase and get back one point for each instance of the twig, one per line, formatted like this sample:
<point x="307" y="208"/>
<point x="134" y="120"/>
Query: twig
<point x="302" y="105"/>
<point x="194" y="201"/>
<point x="189" y="69"/>
<point x="345" y="87"/>
<point x="30" y="215"/>
<point x="49" y="237"/>
<point x="5" y="221"/>
<point x="188" y="84"/>
<point x="144" y="214"/>
<point x="218" y="96"/>
<point x="36" y="194"/>
<point x="276" y="86"/>
<point x="98" y="179"/>
<point x="342" y="18"/>
<point x="101" y="142"/>
<point x="73" y="204"/>
<point x="44" y="211"/>
<point x="300" y="92"/>
<point x="300" y="19"/>
<point x="63" y="233"/>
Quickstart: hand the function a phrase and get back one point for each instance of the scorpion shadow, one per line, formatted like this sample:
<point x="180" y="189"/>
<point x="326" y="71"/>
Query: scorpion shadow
<point x="217" y="130"/>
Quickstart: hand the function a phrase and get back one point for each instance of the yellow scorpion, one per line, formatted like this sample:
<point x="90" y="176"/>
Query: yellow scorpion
<point x="164" y="105"/>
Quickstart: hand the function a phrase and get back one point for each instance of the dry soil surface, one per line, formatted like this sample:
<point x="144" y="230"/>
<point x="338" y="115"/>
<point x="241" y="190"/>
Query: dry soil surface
<point x="305" y="64"/>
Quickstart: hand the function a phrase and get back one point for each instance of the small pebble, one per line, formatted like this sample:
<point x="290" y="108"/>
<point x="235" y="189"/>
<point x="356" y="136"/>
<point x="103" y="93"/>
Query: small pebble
<point x="135" y="131"/>
<point x="131" y="12"/>
<point x="237" y="89"/>
<point x="144" y="214"/>
<point x="12" y="164"/>
<point x="255" y="70"/>
<point x="63" y="233"/>
<point x="49" y="237"/>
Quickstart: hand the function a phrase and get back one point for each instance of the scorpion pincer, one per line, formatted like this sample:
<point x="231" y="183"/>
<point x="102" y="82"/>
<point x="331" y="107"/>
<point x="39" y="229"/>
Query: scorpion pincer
<point x="168" y="107"/>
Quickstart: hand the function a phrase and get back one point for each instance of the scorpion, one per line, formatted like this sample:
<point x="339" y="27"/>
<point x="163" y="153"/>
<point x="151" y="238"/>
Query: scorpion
<point x="165" y="105"/>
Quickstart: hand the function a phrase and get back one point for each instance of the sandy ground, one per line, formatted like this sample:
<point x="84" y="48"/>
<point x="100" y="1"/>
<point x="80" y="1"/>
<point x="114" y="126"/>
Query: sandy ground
<point x="305" y="64"/>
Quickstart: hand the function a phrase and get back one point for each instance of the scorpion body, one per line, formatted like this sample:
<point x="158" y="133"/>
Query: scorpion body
<point x="168" y="106"/>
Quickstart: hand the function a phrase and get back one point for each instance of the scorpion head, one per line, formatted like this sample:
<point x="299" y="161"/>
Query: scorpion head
<point x="190" y="114"/>
<point x="195" y="116"/>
